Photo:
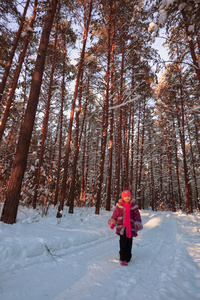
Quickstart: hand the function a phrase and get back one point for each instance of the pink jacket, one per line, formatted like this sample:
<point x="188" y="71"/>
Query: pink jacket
<point x="117" y="219"/>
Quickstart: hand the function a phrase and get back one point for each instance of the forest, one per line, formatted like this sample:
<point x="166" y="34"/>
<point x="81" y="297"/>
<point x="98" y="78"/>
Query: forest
<point x="89" y="108"/>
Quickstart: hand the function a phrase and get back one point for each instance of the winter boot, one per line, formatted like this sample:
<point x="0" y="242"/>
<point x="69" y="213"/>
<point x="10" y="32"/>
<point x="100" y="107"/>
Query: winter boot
<point x="124" y="263"/>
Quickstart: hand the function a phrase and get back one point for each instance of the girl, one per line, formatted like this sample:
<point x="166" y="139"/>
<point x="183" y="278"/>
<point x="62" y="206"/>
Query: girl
<point x="126" y="217"/>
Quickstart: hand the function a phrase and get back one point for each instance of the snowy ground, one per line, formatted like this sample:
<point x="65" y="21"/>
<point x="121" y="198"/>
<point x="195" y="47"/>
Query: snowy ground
<point x="78" y="258"/>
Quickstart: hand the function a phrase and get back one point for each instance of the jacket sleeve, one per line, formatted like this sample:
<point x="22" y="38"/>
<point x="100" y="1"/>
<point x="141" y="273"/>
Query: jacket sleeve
<point x="137" y="218"/>
<point x="113" y="219"/>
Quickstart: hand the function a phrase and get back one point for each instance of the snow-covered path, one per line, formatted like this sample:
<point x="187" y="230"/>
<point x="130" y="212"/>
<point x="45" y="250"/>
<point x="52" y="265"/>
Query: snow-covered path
<point x="83" y="263"/>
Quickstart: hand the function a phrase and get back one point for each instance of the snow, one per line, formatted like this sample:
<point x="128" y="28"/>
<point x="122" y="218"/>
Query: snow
<point x="76" y="257"/>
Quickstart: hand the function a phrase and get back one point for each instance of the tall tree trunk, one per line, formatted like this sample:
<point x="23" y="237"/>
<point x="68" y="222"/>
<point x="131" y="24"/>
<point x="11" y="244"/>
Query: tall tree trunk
<point x="177" y="167"/>
<point x="83" y="166"/>
<point x="117" y="188"/>
<point x="188" y="195"/>
<point x="168" y="143"/>
<point x="137" y="151"/>
<point x="51" y="169"/>
<point x="141" y="159"/>
<point x="132" y="112"/>
<point x="61" y="129"/>
<point x="197" y="204"/>
<point x="86" y="167"/>
<point x="15" y="43"/>
<point x="17" y="73"/>
<point x="77" y="143"/>
<point x="110" y="162"/>
<point x="196" y="124"/>
<point x="17" y="173"/>
<point x="104" y="122"/>
<point x="81" y="65"/>
<point x="132" y="148"/>
<point x="44" y="129"/>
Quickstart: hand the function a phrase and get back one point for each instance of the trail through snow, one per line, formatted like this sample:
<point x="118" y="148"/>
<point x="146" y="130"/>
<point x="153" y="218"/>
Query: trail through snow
<point x="78" y="258"/>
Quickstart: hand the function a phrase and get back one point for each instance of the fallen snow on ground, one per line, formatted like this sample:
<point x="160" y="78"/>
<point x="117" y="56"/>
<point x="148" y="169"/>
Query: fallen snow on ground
<point x="77" y="258"/>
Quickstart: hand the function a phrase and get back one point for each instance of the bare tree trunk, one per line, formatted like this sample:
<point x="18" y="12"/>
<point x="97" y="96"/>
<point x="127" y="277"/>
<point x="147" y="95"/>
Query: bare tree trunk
<point x="44" y="130"/>
<point x="83" y="166"/>
<point x="61" y="130"/>
<point x="85" y="35"/>
<point x="17" y="173"/>
<point x="141" y="160"/>
<point x="171" y="188"/>
<point x="137" y="151"/>
<point x="177" y="168"/>
<point x="77" y="143"/>
<point x="110" y="162"/>
<point x="188" y="196"/>
<point x="196" y="124"/>
<point x="104" y="122"/>
<point x="118" y="156"/>
<point x="15" y="43"/>
<point x="132" y="148"/>
<point x="197" y="204"/>
<point x="86" y="167"/>
<point x="51" y="169"/>
<point x="132" y="112"/>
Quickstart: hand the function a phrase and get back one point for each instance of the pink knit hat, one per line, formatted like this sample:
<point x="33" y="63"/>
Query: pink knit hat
<point x="126" y="193"/>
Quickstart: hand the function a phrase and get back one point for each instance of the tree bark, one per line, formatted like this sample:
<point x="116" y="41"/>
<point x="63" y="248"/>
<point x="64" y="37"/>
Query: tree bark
<point x="118" y="162"/>
<point x="77" y="144"/>
<point x="9" y="213"/>
<point x="105" y="120"/>
<point x="141" y="160"/>
<point x="44" y="130"/>
<point x="110" y="163"/>
<point x="61" y="128"/>
<point x="177" y="168"/>
<point x="85" y="35"/>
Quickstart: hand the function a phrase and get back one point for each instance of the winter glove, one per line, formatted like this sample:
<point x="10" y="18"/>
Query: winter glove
<point x="120" y="201"/>
<point x="112" y="226"/>
<point x="137" y="227"/>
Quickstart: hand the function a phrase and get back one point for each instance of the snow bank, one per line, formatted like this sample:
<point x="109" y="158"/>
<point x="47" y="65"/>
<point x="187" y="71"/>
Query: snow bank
<point x="77" y="258"/>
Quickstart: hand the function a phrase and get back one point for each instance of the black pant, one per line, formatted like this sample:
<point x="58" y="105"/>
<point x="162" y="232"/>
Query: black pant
<point x="125" y="247"/>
